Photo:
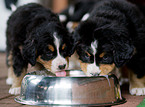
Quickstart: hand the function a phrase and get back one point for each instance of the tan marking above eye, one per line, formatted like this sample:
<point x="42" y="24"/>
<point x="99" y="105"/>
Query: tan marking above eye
<point x="51" y="48"/>
<point x="101" y="55"/>
<point x="88" y="53"/>
<point x="63" y="46"/>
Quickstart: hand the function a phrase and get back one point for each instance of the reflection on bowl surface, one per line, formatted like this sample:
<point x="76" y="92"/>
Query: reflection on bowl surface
<point x="41" y="89"/>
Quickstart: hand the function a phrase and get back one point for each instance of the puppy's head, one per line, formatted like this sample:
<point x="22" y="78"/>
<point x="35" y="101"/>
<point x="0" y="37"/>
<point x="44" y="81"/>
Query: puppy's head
<point x="100" y="49"/>
<point x="49" y="44"/>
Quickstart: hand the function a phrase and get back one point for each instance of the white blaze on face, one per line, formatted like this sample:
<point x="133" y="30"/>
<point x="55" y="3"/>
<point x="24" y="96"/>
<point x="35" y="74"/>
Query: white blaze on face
<point x="59" y="60"/>
<point x="93" y="68"/>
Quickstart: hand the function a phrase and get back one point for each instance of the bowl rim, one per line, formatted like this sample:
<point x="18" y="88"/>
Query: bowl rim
<point x="84" y="76"/>
<point x="118" y="102"/>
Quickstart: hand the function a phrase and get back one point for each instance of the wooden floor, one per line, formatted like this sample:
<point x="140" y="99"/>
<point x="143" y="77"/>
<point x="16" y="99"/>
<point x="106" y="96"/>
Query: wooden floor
<point x="7" y="100"/>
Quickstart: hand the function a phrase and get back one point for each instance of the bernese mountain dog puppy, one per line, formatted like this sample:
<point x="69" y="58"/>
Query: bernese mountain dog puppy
<point x="36" y="36"/>
<point x="113" y="36"/>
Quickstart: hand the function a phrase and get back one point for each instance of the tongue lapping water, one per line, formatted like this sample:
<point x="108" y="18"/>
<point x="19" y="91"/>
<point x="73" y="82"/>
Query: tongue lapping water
<point x="61" y="74"/>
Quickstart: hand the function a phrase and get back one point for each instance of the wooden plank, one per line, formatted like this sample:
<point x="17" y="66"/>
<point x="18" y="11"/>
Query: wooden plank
<point x="11" y="105"/>
<point x="3" y="68"/>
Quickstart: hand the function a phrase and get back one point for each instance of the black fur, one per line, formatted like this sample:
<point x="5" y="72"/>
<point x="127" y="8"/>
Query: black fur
<point x="119" y="28"/>
<point x="80" y="9"/>
<point x="32" y="26"/>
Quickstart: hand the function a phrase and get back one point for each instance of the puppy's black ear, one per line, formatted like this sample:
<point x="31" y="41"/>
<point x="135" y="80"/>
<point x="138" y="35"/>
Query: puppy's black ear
<point x="123" y="51"/>
<point x="29" y="51"/>
<point x="122" y="45"/>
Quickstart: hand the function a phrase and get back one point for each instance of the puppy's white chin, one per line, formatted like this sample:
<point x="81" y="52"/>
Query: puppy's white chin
<point x="92" y="70"/>
<point x="88" y="75"/>
<point x="91" y="74"/>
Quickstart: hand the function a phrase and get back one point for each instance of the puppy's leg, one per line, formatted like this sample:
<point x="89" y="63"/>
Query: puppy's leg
<point x="9" y="80"/>
<point x="16" y="86"/>
<point x="19" y="70"/>
<point x="137" y="85"/>
<point x="9" y="61"/>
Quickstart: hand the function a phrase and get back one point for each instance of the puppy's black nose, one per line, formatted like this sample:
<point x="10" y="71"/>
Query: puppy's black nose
<point x="61" y="66"/>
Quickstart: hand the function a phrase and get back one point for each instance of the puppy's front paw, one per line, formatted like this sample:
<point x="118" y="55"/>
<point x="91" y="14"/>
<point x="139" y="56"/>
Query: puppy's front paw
<point x="137" y="91"/>
<point x="9" y="81"/>
<point x="15" y="90"/>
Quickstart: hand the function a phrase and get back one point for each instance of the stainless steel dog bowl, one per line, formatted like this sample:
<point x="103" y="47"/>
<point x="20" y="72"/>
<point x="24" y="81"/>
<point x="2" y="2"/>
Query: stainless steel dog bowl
<point x="39" y="88"/>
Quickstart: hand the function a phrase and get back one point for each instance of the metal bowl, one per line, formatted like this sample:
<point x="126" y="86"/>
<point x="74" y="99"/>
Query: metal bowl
<point x="40" y="88"/>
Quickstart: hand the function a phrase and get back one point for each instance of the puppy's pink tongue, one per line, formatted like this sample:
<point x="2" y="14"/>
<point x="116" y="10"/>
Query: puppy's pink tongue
<point x="60" y="74"/>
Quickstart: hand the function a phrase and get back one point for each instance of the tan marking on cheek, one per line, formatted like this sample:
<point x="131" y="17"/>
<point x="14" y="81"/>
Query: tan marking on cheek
<point x="101" y="55"/>
<point x="87" y="53"/>
<point x="63" y="46"/>
<point x="51" y="48"/>
<point x="106" y="68"/>
<point x="46" y="64"/>
<point x="83" y="66"/>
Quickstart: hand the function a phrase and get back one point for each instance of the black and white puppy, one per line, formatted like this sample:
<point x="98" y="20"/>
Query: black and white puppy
<point x="113" y="36"/>
<point x="36" y="36"/>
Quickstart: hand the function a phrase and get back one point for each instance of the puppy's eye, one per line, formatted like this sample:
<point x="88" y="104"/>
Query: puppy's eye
<point x="63" y="46"/>
<point x="49" y="54"/>
<point x="105" y="58"/>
